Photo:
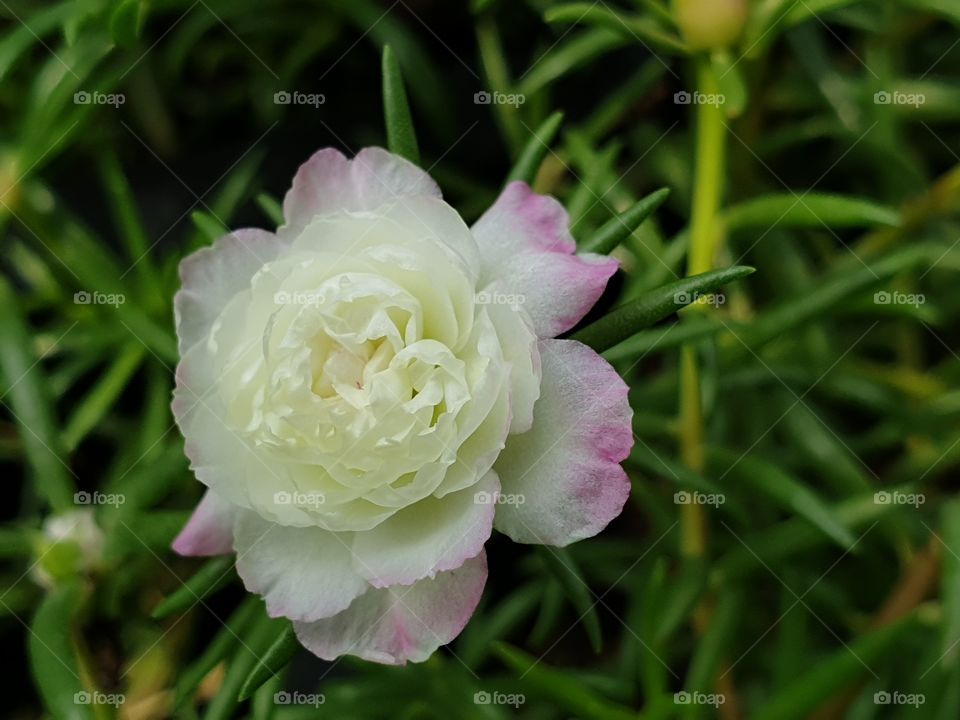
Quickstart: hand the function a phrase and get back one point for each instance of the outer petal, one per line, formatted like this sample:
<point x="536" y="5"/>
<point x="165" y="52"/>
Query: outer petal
<point x="567" y="468"/>
<point x="209" y="531"/>
<point x="302" y="573"/>
<point x="328" y="182"/>
<point x="396" y="624"/>
<point x="525" y="243"/>
<point x="432" y="535"/>
<point x="213" y="275"/>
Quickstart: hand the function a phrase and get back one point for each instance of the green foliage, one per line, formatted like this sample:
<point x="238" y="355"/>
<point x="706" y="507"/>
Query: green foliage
<point x="53" y="654"/>
<point x="625" y="321"/>
<point x="617" y="229"/>
<point x="31" y="405"/>
<point x="215" y="574"/>
<point x="535" y="150"/>
<point x="274" y="659"/>
<point x="400" y="135"/>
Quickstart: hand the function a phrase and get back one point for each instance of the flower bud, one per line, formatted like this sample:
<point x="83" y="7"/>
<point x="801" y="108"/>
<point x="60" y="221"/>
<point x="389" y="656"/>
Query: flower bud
<point x="710" y="24"/>
<point x="69" y="544"/>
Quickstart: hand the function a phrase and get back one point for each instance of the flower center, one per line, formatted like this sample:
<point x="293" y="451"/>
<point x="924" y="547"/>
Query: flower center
<point x="335" y="366"/>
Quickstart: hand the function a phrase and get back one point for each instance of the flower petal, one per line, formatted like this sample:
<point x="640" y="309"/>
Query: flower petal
<point x="430" y="536"/>
<point x="519" y="346"/>
<point x="302" y="573"/>
<point x="328" y="182"/>
<point x="567" y="468"/>
<point x="525" y="243"/>
<point x="419" y="243"/>
<point x="209" y="531"/>
<point x="401" y="623"/>
<point x="213" y="275"/>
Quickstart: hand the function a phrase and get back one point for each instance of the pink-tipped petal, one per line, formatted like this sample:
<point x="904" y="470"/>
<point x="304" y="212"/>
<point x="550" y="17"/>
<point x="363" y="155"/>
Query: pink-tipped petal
<point x="526" y="248"/>
<point x="328" y="182"/>
<point x="209" y="531"/>
<point x="401" y="623"/>
<point x="303" y="573"/>
<point x="434" y="535"/>
<point x="567" y="468"/>
<point x="211" y="276"/>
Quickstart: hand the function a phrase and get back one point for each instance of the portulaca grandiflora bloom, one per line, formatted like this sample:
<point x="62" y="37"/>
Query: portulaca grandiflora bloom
<point x="371" y="390"/>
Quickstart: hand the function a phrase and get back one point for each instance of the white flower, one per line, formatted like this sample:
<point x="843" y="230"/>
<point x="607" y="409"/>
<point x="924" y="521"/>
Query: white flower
<point x="350" y="385"/>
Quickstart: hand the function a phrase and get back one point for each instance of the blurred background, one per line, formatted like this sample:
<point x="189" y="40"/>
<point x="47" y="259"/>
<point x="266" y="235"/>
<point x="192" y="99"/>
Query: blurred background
<point x="791" y="548"/>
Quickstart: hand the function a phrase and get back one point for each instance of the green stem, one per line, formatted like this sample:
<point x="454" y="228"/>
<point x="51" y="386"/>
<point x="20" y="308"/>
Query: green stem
<point x="692" y="522"/>
<point x="708" y="179"/>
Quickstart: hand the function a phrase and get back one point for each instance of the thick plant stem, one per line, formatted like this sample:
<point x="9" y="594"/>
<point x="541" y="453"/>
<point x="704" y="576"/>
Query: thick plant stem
<point x="708" y="178"/>
<point x="692" y="523"/>
<point x="708" y="173"/>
